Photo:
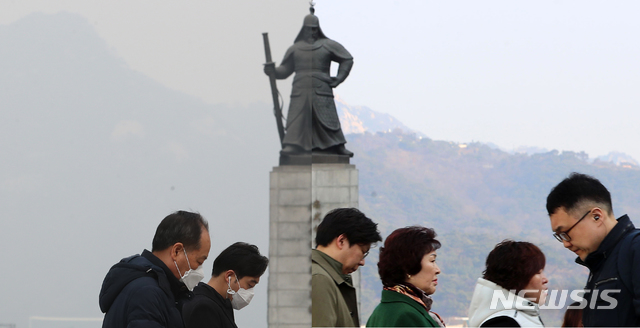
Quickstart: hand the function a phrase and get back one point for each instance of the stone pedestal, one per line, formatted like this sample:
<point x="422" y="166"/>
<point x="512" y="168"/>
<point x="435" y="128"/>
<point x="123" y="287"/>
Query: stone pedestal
<point x="300" y="196"/>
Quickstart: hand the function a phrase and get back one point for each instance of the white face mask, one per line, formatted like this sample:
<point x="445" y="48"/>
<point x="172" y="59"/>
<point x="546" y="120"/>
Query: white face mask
<point x="242" y="297"/>
<point x="192" y="277"/>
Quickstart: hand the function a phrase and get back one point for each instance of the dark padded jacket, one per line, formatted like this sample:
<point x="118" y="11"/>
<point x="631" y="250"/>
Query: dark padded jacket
<point x="140" y="291"/>
<point x="614" y="304"/>
<point x="208" y="309"/>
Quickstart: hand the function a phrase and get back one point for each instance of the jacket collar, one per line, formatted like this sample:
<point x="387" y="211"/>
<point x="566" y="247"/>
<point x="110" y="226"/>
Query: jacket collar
<point x="595" y="259"/>
<point x="483" y="297"/>
<point x="332" y="267"/>
<point x="212" y="294"/>
<point x="177" y="288"/>
<point x="389" y="296"/>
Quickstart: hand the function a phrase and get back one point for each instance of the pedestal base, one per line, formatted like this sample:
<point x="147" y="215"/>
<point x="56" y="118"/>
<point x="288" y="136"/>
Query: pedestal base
<point x="300" y="196"/>
<point x="313" y="158"/>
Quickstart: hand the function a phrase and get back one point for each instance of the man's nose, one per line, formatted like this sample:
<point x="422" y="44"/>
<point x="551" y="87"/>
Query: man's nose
<point x="566" y="244"/>
<point x="361" y="263"/>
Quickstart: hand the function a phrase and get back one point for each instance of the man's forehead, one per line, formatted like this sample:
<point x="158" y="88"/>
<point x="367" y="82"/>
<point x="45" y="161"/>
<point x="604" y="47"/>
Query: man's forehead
<point x="560" y="219"/>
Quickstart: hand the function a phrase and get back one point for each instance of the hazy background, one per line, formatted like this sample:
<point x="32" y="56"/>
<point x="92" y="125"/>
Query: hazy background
<point x="116" y="113"/>
<point x="555" y="74"/>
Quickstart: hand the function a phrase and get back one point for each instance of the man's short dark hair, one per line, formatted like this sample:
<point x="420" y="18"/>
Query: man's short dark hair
<point x="179" y="227"/>
<point x="244" y="259"/>
<point x="512" y="264"/>
<point x="357" y="227"/>
<point x="574" y="190"/>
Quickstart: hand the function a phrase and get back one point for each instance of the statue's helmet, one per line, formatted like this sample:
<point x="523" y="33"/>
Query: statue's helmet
<point x="311" y="20"/>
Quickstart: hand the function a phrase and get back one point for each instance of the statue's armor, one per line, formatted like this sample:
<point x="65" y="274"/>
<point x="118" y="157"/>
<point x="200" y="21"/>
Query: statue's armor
<point x="312" y="121"/>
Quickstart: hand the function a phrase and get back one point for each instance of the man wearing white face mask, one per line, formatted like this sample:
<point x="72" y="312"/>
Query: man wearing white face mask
<point x="148" y="290"/>
<point x="235" y="272"/>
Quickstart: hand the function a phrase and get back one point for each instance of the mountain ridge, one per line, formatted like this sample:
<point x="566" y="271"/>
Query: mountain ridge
<point x="95" y="153"/>
<point x="474" y="196"/>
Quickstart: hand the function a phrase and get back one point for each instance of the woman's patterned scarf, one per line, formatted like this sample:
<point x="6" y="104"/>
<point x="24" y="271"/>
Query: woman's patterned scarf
<point x="414" y="293"/>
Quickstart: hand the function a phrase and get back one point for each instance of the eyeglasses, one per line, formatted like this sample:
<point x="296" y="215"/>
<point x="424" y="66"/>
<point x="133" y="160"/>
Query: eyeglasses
<point x="362" y="249"/>
<point x="564" y="236"/>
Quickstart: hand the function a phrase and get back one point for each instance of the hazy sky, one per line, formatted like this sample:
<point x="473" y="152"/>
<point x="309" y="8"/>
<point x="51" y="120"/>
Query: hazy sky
<point x="553" y="74"/>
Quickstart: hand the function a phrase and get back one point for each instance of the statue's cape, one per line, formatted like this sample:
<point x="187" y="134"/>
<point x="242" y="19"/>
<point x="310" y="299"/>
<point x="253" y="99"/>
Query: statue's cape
<point x="335" y="48"/>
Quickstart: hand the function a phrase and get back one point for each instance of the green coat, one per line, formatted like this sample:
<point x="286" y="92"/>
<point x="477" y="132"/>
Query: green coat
<point x="397" y="310"/>
<point x="333" y="297"/>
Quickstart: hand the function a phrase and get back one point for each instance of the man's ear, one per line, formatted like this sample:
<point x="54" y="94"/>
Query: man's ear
<point x="176" y="249"/>
<point x="227" y="276"/>
<point x="598" y="215"/>
<point x="342" y="241"/>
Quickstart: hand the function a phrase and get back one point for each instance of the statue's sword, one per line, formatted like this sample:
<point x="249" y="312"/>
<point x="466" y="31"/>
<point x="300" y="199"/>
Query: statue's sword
<point x="277" y="111"/>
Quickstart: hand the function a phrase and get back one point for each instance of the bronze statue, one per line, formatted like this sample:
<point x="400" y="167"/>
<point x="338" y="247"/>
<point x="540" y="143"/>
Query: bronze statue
<point x="312" y="122"/>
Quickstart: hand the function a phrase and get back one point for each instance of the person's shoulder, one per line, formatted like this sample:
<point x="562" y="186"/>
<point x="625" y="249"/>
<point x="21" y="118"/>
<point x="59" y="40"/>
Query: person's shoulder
<point x="137" y="265"/>
<point x="316" y="268"/>
<point x="629" y="243"/>
<point x="202" y="311"/>
<point x="203" y="296"/>
<point x="501" y="321"/>
<point x="398" y="305"/>
<point x="321" y="280"/>
<point x="320" y="267"/>
<point x="202" y="289"/>
<point x="145" y="288"/>
<point x="397" y="314"/>
<point x="201" y="304"/>
<point x="634" y="235"/>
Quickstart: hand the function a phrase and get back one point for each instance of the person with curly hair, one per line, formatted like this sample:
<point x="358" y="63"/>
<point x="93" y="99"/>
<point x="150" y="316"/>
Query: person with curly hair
<point x="511" y="288"/>
<point x="409" y="274"/>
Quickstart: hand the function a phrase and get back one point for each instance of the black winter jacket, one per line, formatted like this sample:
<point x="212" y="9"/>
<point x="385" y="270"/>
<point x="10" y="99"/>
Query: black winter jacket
<point x="609" y="302"/>
<point x="140" y="291"/>
<point x="208" y="309"/>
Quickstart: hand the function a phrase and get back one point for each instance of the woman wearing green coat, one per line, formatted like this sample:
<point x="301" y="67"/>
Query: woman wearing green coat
<point x="409" y="274"/>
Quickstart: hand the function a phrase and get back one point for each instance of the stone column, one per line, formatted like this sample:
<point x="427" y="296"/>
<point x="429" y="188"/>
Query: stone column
<point x="289" y="252"/>
<point x="300" y="196"/>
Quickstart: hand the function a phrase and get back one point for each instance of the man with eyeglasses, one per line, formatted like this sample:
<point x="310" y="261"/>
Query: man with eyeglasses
<point x="343" y="240"/>
<point x="582" y="219"/>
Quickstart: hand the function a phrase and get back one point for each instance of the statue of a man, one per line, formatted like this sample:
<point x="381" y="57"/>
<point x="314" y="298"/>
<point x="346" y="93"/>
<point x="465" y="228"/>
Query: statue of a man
<point x="312" y="121"/>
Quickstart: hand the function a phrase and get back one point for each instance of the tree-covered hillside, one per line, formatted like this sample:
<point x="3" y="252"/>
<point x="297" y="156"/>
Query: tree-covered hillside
<point x="474" y="196"/>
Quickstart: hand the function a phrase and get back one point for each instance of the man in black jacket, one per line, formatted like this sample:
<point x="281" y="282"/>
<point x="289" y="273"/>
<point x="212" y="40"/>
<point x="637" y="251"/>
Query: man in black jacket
<point x="582" y="218"/>
<point x="148" y="290"/>
<point x="235" y="272"/>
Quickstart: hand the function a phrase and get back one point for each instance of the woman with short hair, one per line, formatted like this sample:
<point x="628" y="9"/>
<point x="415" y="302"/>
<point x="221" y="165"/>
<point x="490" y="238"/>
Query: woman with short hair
<point x="409" y="274"/>
<point x="512" y="287"/>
